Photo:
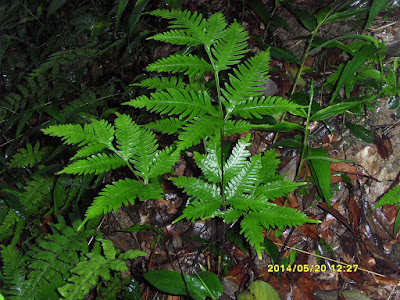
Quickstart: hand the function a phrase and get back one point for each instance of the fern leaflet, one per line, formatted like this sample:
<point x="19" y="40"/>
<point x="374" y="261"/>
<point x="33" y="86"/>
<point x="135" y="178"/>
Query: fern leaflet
<point x="189" y="65"/>
<point x="391" y="197"/>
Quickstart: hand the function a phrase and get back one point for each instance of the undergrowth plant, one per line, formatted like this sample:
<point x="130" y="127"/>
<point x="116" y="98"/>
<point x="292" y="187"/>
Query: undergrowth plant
<point x="232" y="187"/>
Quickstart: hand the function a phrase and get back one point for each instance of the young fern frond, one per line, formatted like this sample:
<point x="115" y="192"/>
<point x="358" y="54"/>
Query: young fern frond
<point x="188" y="64"/>
<point x="127" y="134"/>
<point x="237" y="160"/>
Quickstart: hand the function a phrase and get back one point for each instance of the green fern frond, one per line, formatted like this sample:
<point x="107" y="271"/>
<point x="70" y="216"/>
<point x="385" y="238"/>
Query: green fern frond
<point x="104" y="132"/>
<point x="201" y="209"/>
<point x="210" y="165"/>
<point x="215" y="26"/>
<point x="95" y="164"/>
<point x="113" y="196"/>
<point x="27" y="157"/>
<point x="127" y="134"/>
<point x="188" y="64"/>
<point x="237" y="160"/>
<point x="230" y="215"/>
<point x="198" y="190"/>
<point x="168" y="126"/>
<point x="52" y="258"/>
<point x="163" y="161"/>
<point x="269" y="164"/>
<point x="230" y="48"/>
<point x="89" y="150"/>
<point x="249" y="202"/>
<point x="392" y="197"/>
<point x="177" y="37"/>
<point x="144" y="153"/>
<point x="13" y="272"/>
<point x="253" y="231"/>
<point x="88" y="271"/>
<point x="247" y="79"/>
<point x="239" y="126"/>
<point x="72" y="134"/>
<point x="194" y="24"/>
<point x="162" y="83"/>
<point x="246" y="180"/>
<point x="276" y="189"/>
<point x="281" y="217"/>
<point x="198" y="129"/>
<point x="179" y="102"/>
<point x="258" y="107"/>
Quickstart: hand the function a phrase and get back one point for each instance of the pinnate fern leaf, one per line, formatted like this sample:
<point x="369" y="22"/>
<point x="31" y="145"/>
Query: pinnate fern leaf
<point x="177" y="37"/>
<point x="179" y="102"/>
<point x="94" y="164"/>
<point x="237" y="160"/>
<point x="391" y="197"/>
<point x="198" y="129"/>
<point x="13" y="272"/>
<point x="88" y="271"/>
<point x="168" y="126"/>
<point x="127" y="133"/>
<point x="72" y="134"/>
<point x="215" y="28"/>
<point x="230" y="48"/>
<point x="194" y="24"/>
<point x="27" y="157"/>
<point x="188" y="64"/>
<point x="247" y="79"/>
<point x="113" y="196"/>
<point x="162" y="83"/>
<point x="278" y="188"/>
<point x="258" y="107"/>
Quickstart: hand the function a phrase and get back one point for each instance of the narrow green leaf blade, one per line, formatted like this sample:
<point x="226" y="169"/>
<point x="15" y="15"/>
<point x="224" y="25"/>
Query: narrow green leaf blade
<point x="321" y="172"/>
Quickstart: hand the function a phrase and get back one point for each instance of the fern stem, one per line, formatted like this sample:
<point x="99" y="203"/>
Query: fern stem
<point x="303" y="151"/>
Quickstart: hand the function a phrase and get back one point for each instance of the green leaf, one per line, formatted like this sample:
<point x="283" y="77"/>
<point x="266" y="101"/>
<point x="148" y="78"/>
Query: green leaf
<point x="259" y="290"/>
<point x="391" y="197"/>
<point x="54" y="6"/>
<point x="199" y="285"/>
<point x="361" y="132"/>
<point x="353" y="66"/>
<point x="377" y="6"/>
<point x="321" y="172"/>
<point x="305" y="16"/>
<point x="284" y="55"/>
<point x="5" y="41"/>
<point x="113" y="196"/>
<point x="121" y="8"/>
<point x="337" y="109"/>
<point x="280" y="127"/>
<point x="127" y="133"/>
<point x="95" y="164"/>
<point x="230" y="48"/>
<point x="188" y="64"/>
<point x="140" y="5"/>
<point x="396" y="224"/>
<point x="179" y="102"/>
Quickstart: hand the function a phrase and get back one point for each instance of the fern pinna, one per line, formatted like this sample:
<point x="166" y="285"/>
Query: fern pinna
<point x="104" y="147"/>
<point x="208" y="111"/>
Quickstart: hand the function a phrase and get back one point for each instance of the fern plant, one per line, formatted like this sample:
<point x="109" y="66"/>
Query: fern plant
<point x="239" y="186"/>
<point x="60" y="264"/>
<point x="103" y="147"/>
